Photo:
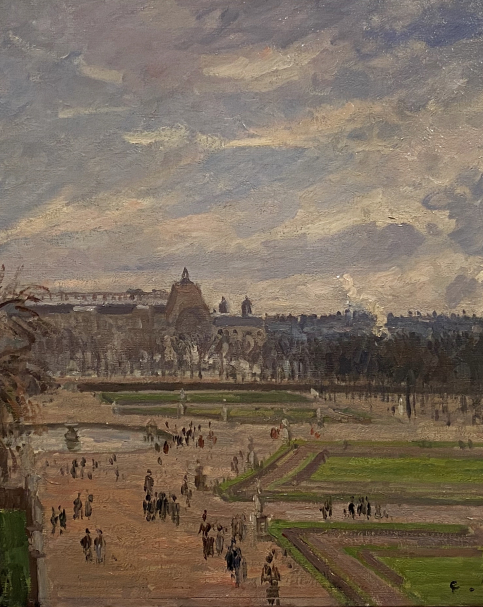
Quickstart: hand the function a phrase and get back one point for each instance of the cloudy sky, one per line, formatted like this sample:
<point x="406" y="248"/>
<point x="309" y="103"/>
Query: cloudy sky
<point x="305" y="152"/>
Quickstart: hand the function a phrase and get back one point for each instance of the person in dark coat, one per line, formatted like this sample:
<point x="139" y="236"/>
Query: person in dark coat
<point x="162" y="505"/>
<point x="86" y="543"/>
<point x="152" y="509"/>
<point x="148" y="483"/>
<point x="53" y="520"/>
<point x="99" y="547"/>
<point x="78" y="507"/>
<point x="62" y="520"/>
<point x="147" y="501"/>
<point x="220" y="539"/>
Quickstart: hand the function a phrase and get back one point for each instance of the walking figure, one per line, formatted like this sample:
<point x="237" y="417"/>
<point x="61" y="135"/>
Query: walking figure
<point x="99" y="546"/>
<point x="148" y="483"/>
<point x="271" y="575"/>
<point x="78" y="507"/>
<point x="220" y="539"/>
<point x="86" y="543"/>
<point x="53" y="521"/>
<point x="62" y="520"/>
<point x="88" y="506"/>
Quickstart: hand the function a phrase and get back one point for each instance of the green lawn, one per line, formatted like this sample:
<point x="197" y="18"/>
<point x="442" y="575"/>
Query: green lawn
<point x="14" y="559"/>
<point x="401" y="470"/>
<point x="272" y="415"/>
<point x="275" y="396"/>
<point x="427" y="579"/>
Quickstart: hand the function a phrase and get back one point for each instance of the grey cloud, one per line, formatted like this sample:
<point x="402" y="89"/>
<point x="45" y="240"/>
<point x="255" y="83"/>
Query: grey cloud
<point x="465" y="207"/>
<point x="351" y="250"/>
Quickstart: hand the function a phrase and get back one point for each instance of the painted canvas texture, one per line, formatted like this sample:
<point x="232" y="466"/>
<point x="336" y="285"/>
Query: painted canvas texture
<point x="241" y="303"/>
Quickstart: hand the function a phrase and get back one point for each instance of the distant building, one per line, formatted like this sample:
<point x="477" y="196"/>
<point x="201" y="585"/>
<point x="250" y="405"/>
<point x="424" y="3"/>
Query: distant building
<point x="186" y="309"/>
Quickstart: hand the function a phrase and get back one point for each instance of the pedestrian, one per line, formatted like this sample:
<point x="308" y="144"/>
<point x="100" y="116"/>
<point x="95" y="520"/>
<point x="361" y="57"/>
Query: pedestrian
<point x="211" y="545"/>
<point x="53" y="521"/>
<point x="86" y="543"/>
<point x="175" y="508"/>
<point x="148" y="507"/>
<point x="351" y="508"/>
<point x="148" y="483"/>
<point x="78" y="507"/>
<point x="368" y="510"/>
<point x="152" y="509"/>
<point x="163" y="506"/>
<point x="62" y="520"/>
<point x="88" y="506"/>
<point x="220" y="539"/>
<point x="230" y="557"/>
<point x="271" y="576"/>
<point x="204" y="529"/>
<point x="99" y="546"/>
<point x="237" y="564"/>
<point x="117" y="473"/>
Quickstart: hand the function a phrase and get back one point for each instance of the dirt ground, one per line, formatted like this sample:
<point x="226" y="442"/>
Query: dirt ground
<point x="158" y="563"/>
<point x="155" y="563"/>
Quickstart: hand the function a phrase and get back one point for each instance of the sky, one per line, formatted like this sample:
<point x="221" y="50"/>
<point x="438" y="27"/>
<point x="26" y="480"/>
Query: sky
<point x="306" y="153"/>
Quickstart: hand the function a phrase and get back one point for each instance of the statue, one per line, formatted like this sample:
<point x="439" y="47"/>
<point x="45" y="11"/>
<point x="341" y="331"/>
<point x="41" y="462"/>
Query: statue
<point x="285" y="432"/>
<point x="246" y="307"/>
<point x="223" y="306"/>
<point x="320" y="416"/>
<point x="72" y="437"/>
<point x="185" y="277"/>
<point x="258" y="505"/>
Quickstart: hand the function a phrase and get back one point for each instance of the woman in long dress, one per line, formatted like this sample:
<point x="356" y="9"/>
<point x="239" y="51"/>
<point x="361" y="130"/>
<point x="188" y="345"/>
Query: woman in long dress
<point x="99" y="546"/>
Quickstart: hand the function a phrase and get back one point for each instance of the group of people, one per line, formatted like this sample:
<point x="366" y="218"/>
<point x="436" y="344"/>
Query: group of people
<point x="326" y="509"/>
<point x="236" y="563"/>
<point x="158" y="505"/>
<point x="239" y="527"/>
<point x="99" y="546"/>
<point x="81" y="510"/>
<point x="186" y="436"/>
<point x="211" y="542"/>
<point x="79" y="469"/>
<point x="58" y="517"/>
<point x="364" y="508"/>
<point x="271" y="576"/>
